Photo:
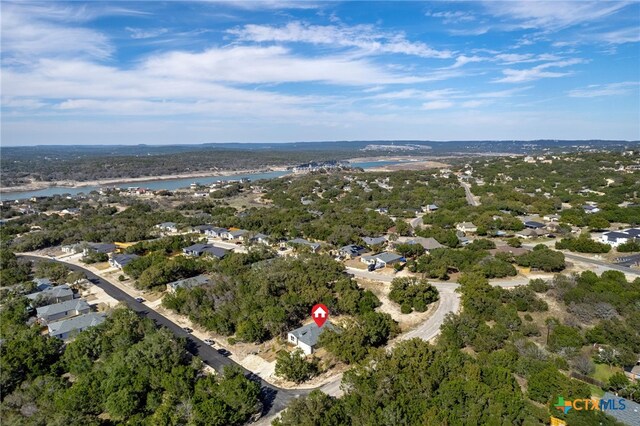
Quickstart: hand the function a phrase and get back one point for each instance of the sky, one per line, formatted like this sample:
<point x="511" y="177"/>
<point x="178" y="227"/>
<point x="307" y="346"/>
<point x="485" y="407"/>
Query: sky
<point x="238" y="71"/>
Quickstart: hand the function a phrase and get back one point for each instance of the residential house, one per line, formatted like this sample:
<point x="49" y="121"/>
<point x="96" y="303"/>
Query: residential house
<point x="466" y="227"/>
<point x="615" y="238"/>
<point x="67" y="328"/>
<point x="215" y="232"/>
<point x="530" y="233"/>
<point x="301" y="241"/>
<point x="56" y="294"/>
<point x="72" y="211"/>
<point x="259" y="238"/>
<point x="382" y="210"/>
<point x="306" y="337"/>
<point x="70" y="248"/>
<point x="234" y="234"/>
<point x="429" y="208"/>
<point x="532" y="224"/>
<point x="589" y="209"/>
<point x="199" y="249"/>
<point x="202" y="229"/>
<point x="121" y="260"/>
<point x="167" y="227"/>
<point x="374" y="241"/>
<point x="42" y="284"/>
<point x="463" y="241"/>
<point x="551" y="218"/>
<point x="188" y="283"/>
<point x="103" y="248"/>
<point x="352" y="250"/>
<point x="58" y="311"/>
<point x="382" y="260"/>
<point x="428" y="243"/>
<point x="514" y="251"/>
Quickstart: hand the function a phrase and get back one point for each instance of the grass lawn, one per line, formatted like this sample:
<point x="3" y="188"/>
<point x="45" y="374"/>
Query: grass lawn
<point x="603" y="372"/>
<point x="596" y="391"/>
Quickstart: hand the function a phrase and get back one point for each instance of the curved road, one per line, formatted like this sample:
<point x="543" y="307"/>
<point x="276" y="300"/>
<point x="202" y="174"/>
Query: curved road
<point x="275" y="399"/>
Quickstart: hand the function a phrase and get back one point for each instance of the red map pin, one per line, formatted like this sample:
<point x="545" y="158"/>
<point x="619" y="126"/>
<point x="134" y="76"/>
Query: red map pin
<point x="319" y="313"/>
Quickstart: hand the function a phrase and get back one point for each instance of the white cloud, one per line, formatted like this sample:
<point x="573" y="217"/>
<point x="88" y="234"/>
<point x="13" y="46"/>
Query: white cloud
<point x="611" y="89"/>
<point x="537" y="72"/>
<point x="139" y="33"/>
<point x="453" y="17"/>
<point x="553" y="15"/>
<point x="366" y="38"/>
<point x="625" y="35"/>
<point x="435" y="105"/>
<point x="463" y="60"/>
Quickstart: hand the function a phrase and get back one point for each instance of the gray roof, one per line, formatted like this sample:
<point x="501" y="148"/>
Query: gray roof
<point x="315" y="246"/>
<point x="631" y="413"/>
<point x="238" y="232"/>
<point x="42" y="283"/>
<point x="80" y="322"/>
<point x="56" y="308"/>
<point x="429" y="243"/>
<point x="203" y="228"/>
<point x="309" y="333"/>
<point x="214" y="251"/>
<point x="634" y="232"/>
<point x="54" y="292"/>
<point x="614" y="235"/>
<point x="189" y="282"/>
<point x="352" y="249"/>
<point x="467" y="225"/>
<point x="102" y="247"/>
<point x="259" y="236"/>
<point x="387" y="257"/>
<point x="124" y="259"/>
<point x="589" y="207"/>
<point x="533" y="224"/>
<point x="372" y="241"/>
<point x="167" y="225"/>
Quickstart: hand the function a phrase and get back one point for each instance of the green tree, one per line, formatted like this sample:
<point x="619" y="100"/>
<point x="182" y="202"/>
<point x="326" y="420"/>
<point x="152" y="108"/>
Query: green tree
<point x="294" y="367"/>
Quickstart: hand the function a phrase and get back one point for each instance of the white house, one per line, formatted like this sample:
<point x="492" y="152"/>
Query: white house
<point x="68" y="328"/>
<point x="382" y="260"/>
<point x="167" y="227"/>
<point x="615" y="238"/>
<point x="58" y="311"/>
<point x="466" y="227"/>
<point x="306" y="337"/>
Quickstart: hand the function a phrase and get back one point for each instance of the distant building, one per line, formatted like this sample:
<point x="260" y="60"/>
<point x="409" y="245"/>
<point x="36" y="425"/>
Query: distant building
<point x="58" y="311"/>
<point x="615" y="238"/>
<point x="467" y="227"/>
<point x="202" y="229"/>
<point x="532" y="224"/>
<point x="67" y="328"/>
<point x="430" y="208"/>
<point x="382" y="260"/>
<point x="352" y="251"/>
<point x="188" y="283"/>
<point x="200" y="249"/>
<point x="234" y="234"/>
<point x="427" y="243"/>
<point x="167" y="227"/>
<point x="302" y="242"/>
<point x="306" y="337"/>
<point x="103" y="248"/>
<point x="259" y="238"/>
<point x="57" y="294"/>
<point x="121" y="260"/>
<point x="42" y="284"/>
<point x="589" y="209"/>
<point x="215" y="232"/>
<point x="530" y="233"/>
<point x="374" y="241"/>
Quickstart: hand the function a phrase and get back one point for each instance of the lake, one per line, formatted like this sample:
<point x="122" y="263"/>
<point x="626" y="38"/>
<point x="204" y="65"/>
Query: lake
<point x="168" y="184"/>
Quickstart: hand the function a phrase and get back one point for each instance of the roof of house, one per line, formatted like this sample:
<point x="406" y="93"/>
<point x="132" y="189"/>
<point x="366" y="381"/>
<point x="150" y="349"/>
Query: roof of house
<point x="217" y="230"/>
<point x="631" y="413"/>
<point x="589" y="207"/>
<point x="429" y="243"/>
<point x="259" y="236"/>
<point x="124" y="259"/>
<point x="166" y="225"/>
<point x="42" y="283"/>
<point x="102" y="247"/>
<point x="56" y="308"/>
<point x="190" y="282"/>
<point x="310" y="333"/>
<point x="467" y="225"/>
<point x="201" y="248"/>
<point x="305" y="242"/>
<point x="387" y="257"/>
<point x="372" y="241"/>
<point x="54" y="292"/>
<point x="238" y="232"/>
<point x="203" y="227"/>
<point x="80" y="322"/>
<point x="432" y="206"/>
<point x="634" y="232"/>
<point x="352" y="248"/>
<point x="533" y="224"/>
<point x="529" y="232"/>
<point x="614" y="235"/>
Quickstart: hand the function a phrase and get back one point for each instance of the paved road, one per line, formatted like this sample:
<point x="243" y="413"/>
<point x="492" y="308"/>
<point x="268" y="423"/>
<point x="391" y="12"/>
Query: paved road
<point x="275" y="399"/>
<point x="470" y="198"/>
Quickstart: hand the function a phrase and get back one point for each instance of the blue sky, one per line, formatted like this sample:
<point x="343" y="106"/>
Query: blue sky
<point x="196" y="72"/>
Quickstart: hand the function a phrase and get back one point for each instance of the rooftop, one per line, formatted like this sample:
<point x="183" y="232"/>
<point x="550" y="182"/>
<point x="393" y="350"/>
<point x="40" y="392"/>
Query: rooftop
<point x="80" y="322"/>
<point x="56" y="308"/>
<point x="310" y="333"/>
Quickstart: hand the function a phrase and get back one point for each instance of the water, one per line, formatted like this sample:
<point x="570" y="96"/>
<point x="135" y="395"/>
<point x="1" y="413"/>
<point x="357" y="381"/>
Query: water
<point x="168" y="184"/>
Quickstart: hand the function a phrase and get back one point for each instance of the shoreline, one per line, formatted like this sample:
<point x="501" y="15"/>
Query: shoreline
<point x="36" y="186"/>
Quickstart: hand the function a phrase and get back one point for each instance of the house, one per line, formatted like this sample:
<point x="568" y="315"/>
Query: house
<point x="259" y="238"/>
<point x="633" y="373"/>
<point x="381" y="260"/>
<point x="382" y="210"/>
<point x="301" y="241"/>
<point x="428" y="243"/>
<point x="103" y="248"/>
<point x="466" y="227"/>
<point x="56" y="294"/>
<point x="352" y="251"/>
<point x="42" y="284"/>
<point x="551" y="218"/>
<point x="514" y="251"/>
<point x="234" y="234"/>
<point x="589" y="209"/>
<point x="429" y="208"/>
<point x="68" y="328"/>
<point x="202" y="229"/>
<point x="70" y="248"/>
<point x="58" y="311"/>
<point x="215" y="232"/>
<point x="188" y="283"/>
<point x="306" y="337"/>
<point x="167" y="227"/>
<point x="615" y="238"/>
<point x="72" y="211"/>
<point x="200" y="249"/>
<point x="374" y="241"/>
<point x="532" y="224"/>
<point x="530" y="233"/>
<point x="121" y="260"/>
<point x="630" y="415"/>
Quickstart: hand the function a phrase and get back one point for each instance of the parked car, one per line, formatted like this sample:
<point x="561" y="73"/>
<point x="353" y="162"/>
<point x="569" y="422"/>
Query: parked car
<point x="371" y="267"/>
<point x="209" y="342"/>
<point x="224" y="352"/>
<point x="187" y="329"/>
<point x="139" y="299"/>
